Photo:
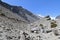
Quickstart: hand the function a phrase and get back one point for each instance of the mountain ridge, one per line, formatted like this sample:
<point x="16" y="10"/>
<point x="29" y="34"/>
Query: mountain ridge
<point x="20" y="11"/>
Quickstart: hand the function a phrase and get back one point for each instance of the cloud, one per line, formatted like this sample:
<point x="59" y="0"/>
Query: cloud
<point x="40" y="15"/>
<point x="52" y="17"/>
<point x="44" y="16"/>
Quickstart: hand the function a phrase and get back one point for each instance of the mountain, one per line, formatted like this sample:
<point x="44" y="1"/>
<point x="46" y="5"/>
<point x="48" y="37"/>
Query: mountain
<point x="58" y="17"/>
<point x="17" y="23"/>
<point x="17" y="12"/>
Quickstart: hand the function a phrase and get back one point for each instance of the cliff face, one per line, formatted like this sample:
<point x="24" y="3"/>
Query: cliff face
<point x="19" y="11"/>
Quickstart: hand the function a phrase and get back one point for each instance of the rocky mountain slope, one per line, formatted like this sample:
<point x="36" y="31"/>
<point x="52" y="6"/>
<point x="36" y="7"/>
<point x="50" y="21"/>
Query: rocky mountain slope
<point x="10" y="28"/>
<point x="13" y="21"/>
<point x="17" y="12"/>
<point x="45" y="29"/>
<point x="16" y="23"/>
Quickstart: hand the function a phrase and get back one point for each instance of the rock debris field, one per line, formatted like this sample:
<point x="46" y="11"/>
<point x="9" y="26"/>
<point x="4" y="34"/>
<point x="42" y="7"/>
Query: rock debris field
<point x="17" y="23"/>
<point x="42" y="29"/>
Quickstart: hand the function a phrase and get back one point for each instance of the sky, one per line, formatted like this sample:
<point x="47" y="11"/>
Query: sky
<point x="38" y="7"/>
